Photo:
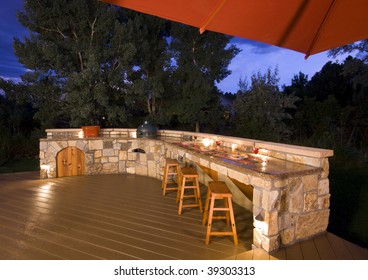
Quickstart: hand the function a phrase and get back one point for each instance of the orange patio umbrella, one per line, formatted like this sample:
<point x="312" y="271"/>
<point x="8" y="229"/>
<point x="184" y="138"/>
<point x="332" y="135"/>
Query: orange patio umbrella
<point x="306" y="26"/>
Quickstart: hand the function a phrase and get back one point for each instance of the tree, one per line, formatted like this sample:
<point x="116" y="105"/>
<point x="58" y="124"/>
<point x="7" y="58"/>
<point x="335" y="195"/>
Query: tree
<point x="152" y="68"/>
<point x="17" y="110"/>
<point x="298" y="85"/>
<point x="83" y="44"/>
<point x="329" y="81"/>
<point x="260" y="110"/>
<point x="356" y="69"/>
<point x="16" y="123"/>
<point x="355" y="114"/>
<point x="316" y="122"/>
<point x="200" y="61"/>
<point x="360" y="47"/>
<point x="331" y="112"/>
<point x="45" y="94"/>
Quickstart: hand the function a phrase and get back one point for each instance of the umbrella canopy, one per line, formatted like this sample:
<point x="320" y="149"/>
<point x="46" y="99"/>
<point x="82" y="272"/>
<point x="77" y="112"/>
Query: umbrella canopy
<point x="306" y="26"/>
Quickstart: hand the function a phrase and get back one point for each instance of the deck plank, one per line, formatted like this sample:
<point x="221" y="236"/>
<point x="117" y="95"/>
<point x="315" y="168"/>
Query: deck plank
<point x="260" y="254"/>
<point x="11" y="249"/>
<point x="294" y="252"/>
<point x="248" y="255"/>
<point x="339" y="247"/>
<point x="279" y="255"/>
<point x="124" y="216"/>
<point x="106" y="217"/>
<point x="324" y="248"/>
<point x="309" y="250"/>
<point x="357" y="252"/>
<point x="27" y="245"/>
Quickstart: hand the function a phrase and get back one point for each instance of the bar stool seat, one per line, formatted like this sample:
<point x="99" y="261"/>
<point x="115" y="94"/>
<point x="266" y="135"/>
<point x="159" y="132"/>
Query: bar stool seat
<point x="188" y="180"/>
<point x="218" y="190"/>
<point x="171" y="171"/>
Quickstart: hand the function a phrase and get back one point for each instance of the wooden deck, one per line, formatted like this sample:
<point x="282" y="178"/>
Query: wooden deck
<point x="126" y="217"/>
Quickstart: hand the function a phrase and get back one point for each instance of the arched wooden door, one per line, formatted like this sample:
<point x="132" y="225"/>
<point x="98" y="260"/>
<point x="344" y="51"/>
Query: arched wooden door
<point x="70" y="162"/>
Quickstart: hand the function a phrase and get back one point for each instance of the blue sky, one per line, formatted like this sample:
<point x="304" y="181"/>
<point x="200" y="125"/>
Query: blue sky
<point x="254" y="56"/>
<point x="10" y="68"/>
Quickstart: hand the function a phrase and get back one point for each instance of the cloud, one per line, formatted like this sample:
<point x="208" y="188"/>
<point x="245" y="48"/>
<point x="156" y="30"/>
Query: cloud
<point x="258" y="57"/>
<point x="10" y="68"/>
<point x="254" y="46"/>
<point x="254" y="57"/>
<point x="14" y="80"/>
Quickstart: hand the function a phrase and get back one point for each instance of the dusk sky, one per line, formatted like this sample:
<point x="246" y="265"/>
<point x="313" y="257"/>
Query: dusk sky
<point x="253" y="57"/>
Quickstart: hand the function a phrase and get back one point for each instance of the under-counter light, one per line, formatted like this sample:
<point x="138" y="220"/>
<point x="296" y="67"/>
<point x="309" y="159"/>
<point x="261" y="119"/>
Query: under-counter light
<point x="45" y="169"/>
<point x="80" y="134"/>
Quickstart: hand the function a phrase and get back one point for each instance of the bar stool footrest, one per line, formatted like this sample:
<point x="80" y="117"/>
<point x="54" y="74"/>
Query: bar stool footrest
<point x="190" y="205"/>
<point x="220" y="233"/>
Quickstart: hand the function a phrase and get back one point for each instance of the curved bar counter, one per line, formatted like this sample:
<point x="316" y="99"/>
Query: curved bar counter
<point x="285" y="186"/>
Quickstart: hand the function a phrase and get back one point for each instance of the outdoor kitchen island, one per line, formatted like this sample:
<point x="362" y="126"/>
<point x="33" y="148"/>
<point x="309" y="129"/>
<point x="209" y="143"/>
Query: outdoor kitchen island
<point x="285" y="186"/>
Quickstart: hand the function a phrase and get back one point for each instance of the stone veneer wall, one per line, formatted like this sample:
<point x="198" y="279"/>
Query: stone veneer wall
<point x="285" y="210"/>
<point x="109" y="154"/>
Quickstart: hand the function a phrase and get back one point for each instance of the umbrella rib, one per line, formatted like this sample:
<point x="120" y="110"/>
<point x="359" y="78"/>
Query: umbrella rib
<point x="316" y="36"/>
<point x="212" y="15"/>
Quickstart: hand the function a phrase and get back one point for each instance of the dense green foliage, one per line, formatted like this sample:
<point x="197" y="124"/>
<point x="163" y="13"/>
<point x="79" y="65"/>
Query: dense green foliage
<point x="261" y="111"/>
<point x="110" y="66"/>
<point x="201" y="60"/>
<point x="80" y="47"/>
<point x="95" y="63"/>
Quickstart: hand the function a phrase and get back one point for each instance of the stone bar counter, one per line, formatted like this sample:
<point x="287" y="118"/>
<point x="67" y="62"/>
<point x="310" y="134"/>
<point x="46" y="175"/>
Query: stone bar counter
<point x="285" y="186"/>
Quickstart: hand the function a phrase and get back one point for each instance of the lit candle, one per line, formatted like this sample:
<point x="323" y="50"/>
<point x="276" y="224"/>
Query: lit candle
<point x="206" y="142"/>
<point x="233" y="147"/>
<point x="264" y="165"/>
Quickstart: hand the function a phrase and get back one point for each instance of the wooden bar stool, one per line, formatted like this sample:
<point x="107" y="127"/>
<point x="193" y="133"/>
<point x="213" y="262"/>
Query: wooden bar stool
<point x="219" y="190"/>
<point x="171" y="170"/>
<point x="188" y="180"/>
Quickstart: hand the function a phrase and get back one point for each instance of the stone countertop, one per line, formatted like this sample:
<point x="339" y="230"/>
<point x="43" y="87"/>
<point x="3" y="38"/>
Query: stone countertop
<point x="253" y="164"/>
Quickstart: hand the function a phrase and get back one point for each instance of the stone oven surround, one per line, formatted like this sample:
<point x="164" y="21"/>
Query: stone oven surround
<point x="289" y="205"/>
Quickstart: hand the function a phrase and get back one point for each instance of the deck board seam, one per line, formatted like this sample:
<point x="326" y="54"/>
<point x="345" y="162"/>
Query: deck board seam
<point x="57" y="244"/>
<point x="91" y="219"/>
<point x="34" y="248"/>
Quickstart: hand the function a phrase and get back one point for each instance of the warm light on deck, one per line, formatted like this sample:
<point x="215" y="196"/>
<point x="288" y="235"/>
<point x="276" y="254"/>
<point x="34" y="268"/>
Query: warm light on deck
<point x="46" y="187"/>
